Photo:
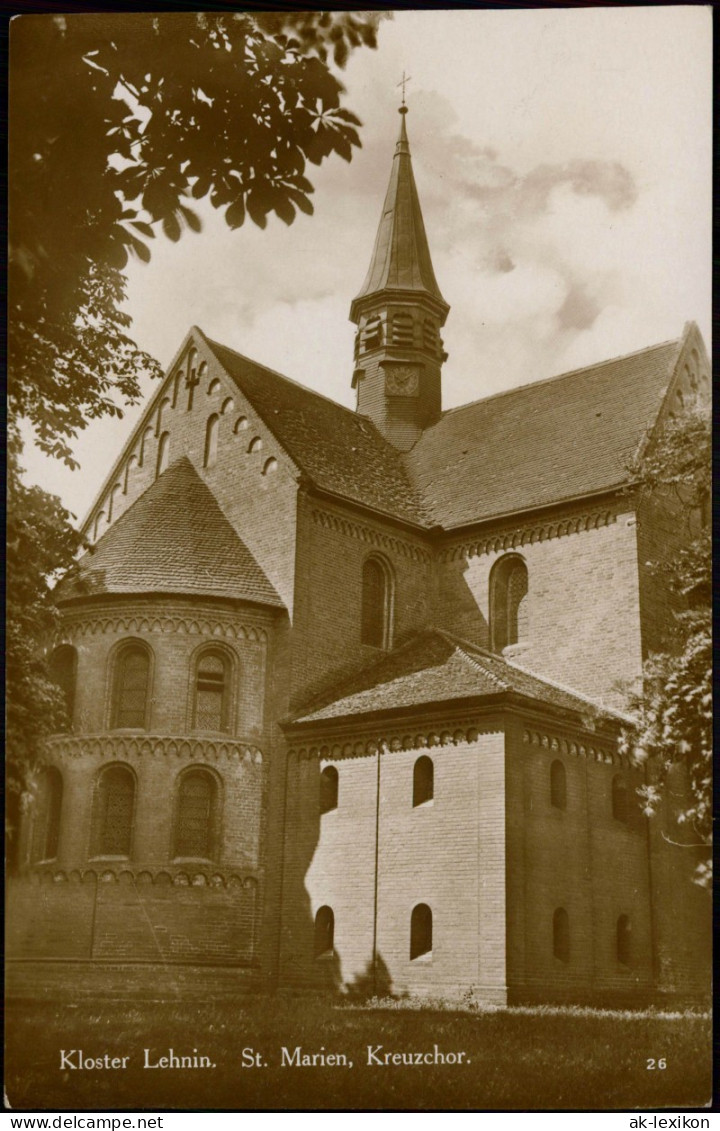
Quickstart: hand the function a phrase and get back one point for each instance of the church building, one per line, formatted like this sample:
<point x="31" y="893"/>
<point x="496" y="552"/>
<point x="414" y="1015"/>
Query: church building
<point x="344" y="688"/>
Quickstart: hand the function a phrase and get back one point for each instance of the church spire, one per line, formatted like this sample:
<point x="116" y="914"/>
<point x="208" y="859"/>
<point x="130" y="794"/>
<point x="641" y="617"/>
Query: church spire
<point x="401" y="256"/>
<point x="399" y="311"/>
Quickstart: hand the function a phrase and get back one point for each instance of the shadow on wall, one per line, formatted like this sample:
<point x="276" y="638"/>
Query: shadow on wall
<point x="319" y="913"/>
<point x="458" y="609"/>
<point x="375" y="981"/>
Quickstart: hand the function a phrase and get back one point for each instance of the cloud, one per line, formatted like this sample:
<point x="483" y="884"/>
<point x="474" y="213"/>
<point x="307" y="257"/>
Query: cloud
<point x="608" y="180"/>
<point x="519" y="253"/>
<point x="476" y="173"/>
<point x="579" y="310"/>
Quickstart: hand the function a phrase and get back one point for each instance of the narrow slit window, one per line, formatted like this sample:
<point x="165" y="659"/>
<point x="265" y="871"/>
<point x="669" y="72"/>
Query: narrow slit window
<point x="211" y="440"/>
<point x="376" y="604"/>
<point x="329" y="783"/>
<point x="423" y="781"/>
<point x="508" y="602"/>
<point x="324" y="932"/>
<point x="421" y="931"/>
<point x="192" y="377"/>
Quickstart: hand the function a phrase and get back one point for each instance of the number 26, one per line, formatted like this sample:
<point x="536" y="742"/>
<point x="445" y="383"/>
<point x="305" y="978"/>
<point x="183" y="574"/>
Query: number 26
<point x="653" y="1063"/>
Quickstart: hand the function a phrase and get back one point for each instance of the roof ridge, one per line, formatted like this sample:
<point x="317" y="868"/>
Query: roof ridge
<point x="466" y="647"/>
<point x="562" y="376"/>
<point x="599" y="707"/>
<point x="334" y="689"/>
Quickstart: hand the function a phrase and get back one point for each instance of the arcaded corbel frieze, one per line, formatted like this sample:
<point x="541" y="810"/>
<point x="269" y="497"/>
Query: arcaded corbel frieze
<point x="141" y="745"/>
<point x="512" y="537"/>
<point x="377" y="539"/>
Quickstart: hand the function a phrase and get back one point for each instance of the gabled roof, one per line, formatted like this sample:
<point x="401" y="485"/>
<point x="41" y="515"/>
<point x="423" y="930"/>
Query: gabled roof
<point x="436" y="667"/>
<point x="173" y="539"/>
<point x="539" y="444"/>
<point x="339" y="450"/>
<point x="530" y="447"/>
<point x="401" y="256"/>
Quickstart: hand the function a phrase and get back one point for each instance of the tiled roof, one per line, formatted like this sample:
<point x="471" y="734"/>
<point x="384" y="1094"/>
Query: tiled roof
<point x="528" y="447"/>
<point x="435" y="667"/>
<point x="173" y="539"/>
<point x="539" y="444"/>
<point x="338" y="449"/>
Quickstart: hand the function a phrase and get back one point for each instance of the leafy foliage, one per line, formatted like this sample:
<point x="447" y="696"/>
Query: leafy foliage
<point x="121" y="121"/>
<point x="673" y="706"/>
<point x="40" y="542"/>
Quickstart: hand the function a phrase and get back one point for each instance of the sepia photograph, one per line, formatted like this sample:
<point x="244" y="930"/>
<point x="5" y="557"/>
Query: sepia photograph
<point x="358" y="654"/>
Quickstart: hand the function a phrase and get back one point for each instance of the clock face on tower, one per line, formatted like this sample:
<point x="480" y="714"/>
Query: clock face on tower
<point x="401" y="380"/>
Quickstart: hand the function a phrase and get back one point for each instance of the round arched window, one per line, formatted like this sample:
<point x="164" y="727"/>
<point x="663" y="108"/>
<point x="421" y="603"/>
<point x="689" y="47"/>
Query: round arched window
<point x="212" y="692"/>
<point x="131" y="685"/>
<point x="195" y="817"/>
<point x="508" y="602"/>
<point x="324" y="931"/>
<point x="421" y="931"/>
<point x="377" y="597"/>
<point x="113" y="812"/>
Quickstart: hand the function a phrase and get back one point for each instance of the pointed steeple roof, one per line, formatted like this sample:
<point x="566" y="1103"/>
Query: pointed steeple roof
<point x="401" y="256"/>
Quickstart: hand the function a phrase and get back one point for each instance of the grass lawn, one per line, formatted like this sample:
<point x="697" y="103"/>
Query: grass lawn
<point x="513" y="1059"/>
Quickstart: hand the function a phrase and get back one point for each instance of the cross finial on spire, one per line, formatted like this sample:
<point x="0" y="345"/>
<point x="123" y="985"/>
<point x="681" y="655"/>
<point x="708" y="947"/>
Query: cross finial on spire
<point x="403" y="83"/>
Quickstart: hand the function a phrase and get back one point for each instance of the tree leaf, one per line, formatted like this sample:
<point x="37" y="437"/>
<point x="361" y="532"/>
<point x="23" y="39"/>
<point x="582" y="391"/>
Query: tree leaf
<point x="235" y="214"/>
<point x="284" y="209"/>
<point x="192" y="219"/>
<point x="144" y="229"/>
<point x="202" y="187"/>
<point x="171" y="227"/>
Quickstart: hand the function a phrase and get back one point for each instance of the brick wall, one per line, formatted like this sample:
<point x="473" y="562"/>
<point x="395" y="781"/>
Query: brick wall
<point x="664" y="528"/>
<point x="85" y="979"/>
<point x="130" y="917"/>
<point x="157" y="763"/>
<point x="152" y="904"/>
<point x="582" y="601"/>
<point x="334" y="542"/>
<point x="329" y="860"/>
<point x="257" y="501"/>
<point x="174" y="629"/>
<point x="449" y="854"/>
<point x="578" y="858"/>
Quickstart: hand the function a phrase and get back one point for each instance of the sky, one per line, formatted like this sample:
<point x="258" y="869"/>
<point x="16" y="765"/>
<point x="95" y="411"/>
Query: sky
<point x="563" y="160"/>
